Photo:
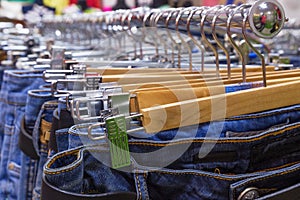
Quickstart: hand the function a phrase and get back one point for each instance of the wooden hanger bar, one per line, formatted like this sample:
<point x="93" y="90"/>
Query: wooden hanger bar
<point x="147" y="99"/>
<point x="219" y="107"/>
<point x="116" y="71"/>
<point x="181" y="83"/>
<point x="144" y="78"/>
<point x="251" y="77"/>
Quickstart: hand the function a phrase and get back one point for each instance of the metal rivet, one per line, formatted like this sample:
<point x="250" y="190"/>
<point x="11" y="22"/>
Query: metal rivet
<point x="249" y="194"/>
<point x="11" y="166"/>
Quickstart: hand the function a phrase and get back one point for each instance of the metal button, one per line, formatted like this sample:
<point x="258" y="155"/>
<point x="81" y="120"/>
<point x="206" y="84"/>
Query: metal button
<point x="249" y="194"/>
<point x="11" y="166"/>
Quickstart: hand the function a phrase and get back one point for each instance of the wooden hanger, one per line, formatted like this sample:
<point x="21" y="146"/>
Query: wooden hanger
<point x="149" y="98"/>
<point x="207" y="109"/>
<point x="252" y="77"/>
<point x="120" y="71"/>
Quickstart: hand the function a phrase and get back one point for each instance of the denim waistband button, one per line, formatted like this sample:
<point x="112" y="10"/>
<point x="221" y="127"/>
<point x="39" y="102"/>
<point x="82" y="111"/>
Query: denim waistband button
<point x="249" y="194"/>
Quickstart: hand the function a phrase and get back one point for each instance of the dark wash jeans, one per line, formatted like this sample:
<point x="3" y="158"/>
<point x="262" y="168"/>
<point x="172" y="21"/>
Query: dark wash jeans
<point x="268" y="162"/>
<point x="15" y="85"/>
<point x="251" y="151"/>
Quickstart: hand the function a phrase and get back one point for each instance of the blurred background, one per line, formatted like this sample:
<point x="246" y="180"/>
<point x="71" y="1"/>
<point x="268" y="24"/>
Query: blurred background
<point x="17" y="8"/>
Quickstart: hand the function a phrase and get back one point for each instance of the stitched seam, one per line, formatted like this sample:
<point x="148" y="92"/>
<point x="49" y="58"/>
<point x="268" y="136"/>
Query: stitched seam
<point x="91" y="191"/>
<point x="12" y="103"/>
<point x="214" y="141"/>
<point x="197" y="174"/>
<point x="279" y="167"/>
<point x="50" y="108"/>
<point x="268" y="189"/>
<point x="62" y="171"/>
<point x="139" y="186"/>
<point x="264" y="178"/>
<point x="60" y="156"/>
<point x="263" y="115"/>
<point x="145" y="187"/>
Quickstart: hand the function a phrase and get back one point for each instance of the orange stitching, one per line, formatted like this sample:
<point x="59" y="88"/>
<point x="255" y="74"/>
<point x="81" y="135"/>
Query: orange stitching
<point x="62" y="155"/>
<point x="214" y="141"/>
<point x="139" y="186"/>
<point x="279" y="167"/>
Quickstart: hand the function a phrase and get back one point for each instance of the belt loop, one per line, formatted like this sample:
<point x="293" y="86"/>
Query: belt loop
<point x="45" y="131"/>
<point x="141" y="185"/>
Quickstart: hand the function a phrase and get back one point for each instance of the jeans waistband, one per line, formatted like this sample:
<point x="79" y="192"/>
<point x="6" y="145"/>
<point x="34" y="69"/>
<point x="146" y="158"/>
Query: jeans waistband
<point x="35" y="101"/>
<point x="235" y="155"/>
<point x="16" y="84"/>
<point x="244" y="153"/>
<point x="182" y="183"/>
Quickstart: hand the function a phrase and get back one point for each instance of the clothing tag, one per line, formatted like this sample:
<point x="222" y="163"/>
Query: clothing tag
<point x="58" y="55"/>
<point x="118" y="141"/>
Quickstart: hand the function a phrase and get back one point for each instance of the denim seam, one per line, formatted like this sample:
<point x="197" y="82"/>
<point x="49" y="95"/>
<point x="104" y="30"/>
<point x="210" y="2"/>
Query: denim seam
<point x="264" y="178"/>
<point x="262" y="115"/>
<point x="62" y="171"/>
<point x="60" y="156"/>
<point x="145" y="186"/>
<point x="218" y="141"/>
<point x="12" y="103"/>
<point x="139" y="186"/>
<point x="49" y="108"/>
<point x="268" y="189"/>
<point x="92" y="191"/>
<point x="198" y="174"/>
<point x="278" y="167"/>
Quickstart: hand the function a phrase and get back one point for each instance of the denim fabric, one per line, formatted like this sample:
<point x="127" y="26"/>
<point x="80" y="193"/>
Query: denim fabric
<point x="1" y="78"/>
<point x="13" y="95"/>
<point x="2" y="69"/>
<point x="268" y="161"/>
<point x="73" y="181"/>
<point x="46" y="114"/>
<point x="35" y="100"/>
<point x="243" y="125"/>
<point x="249" y="147"/>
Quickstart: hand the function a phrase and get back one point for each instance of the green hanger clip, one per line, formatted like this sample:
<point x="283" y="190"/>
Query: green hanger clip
<point x="118" y="141"/>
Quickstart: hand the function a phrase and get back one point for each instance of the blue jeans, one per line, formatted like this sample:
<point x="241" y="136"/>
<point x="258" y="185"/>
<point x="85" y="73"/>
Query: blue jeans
<point x="2" y="69"/>
<point x="35" y="101"/>
<point x="232" y="166"/>
<point x="41" y="136"/>
<point x="190" y="167"/>
<point x="13" y="95"/>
